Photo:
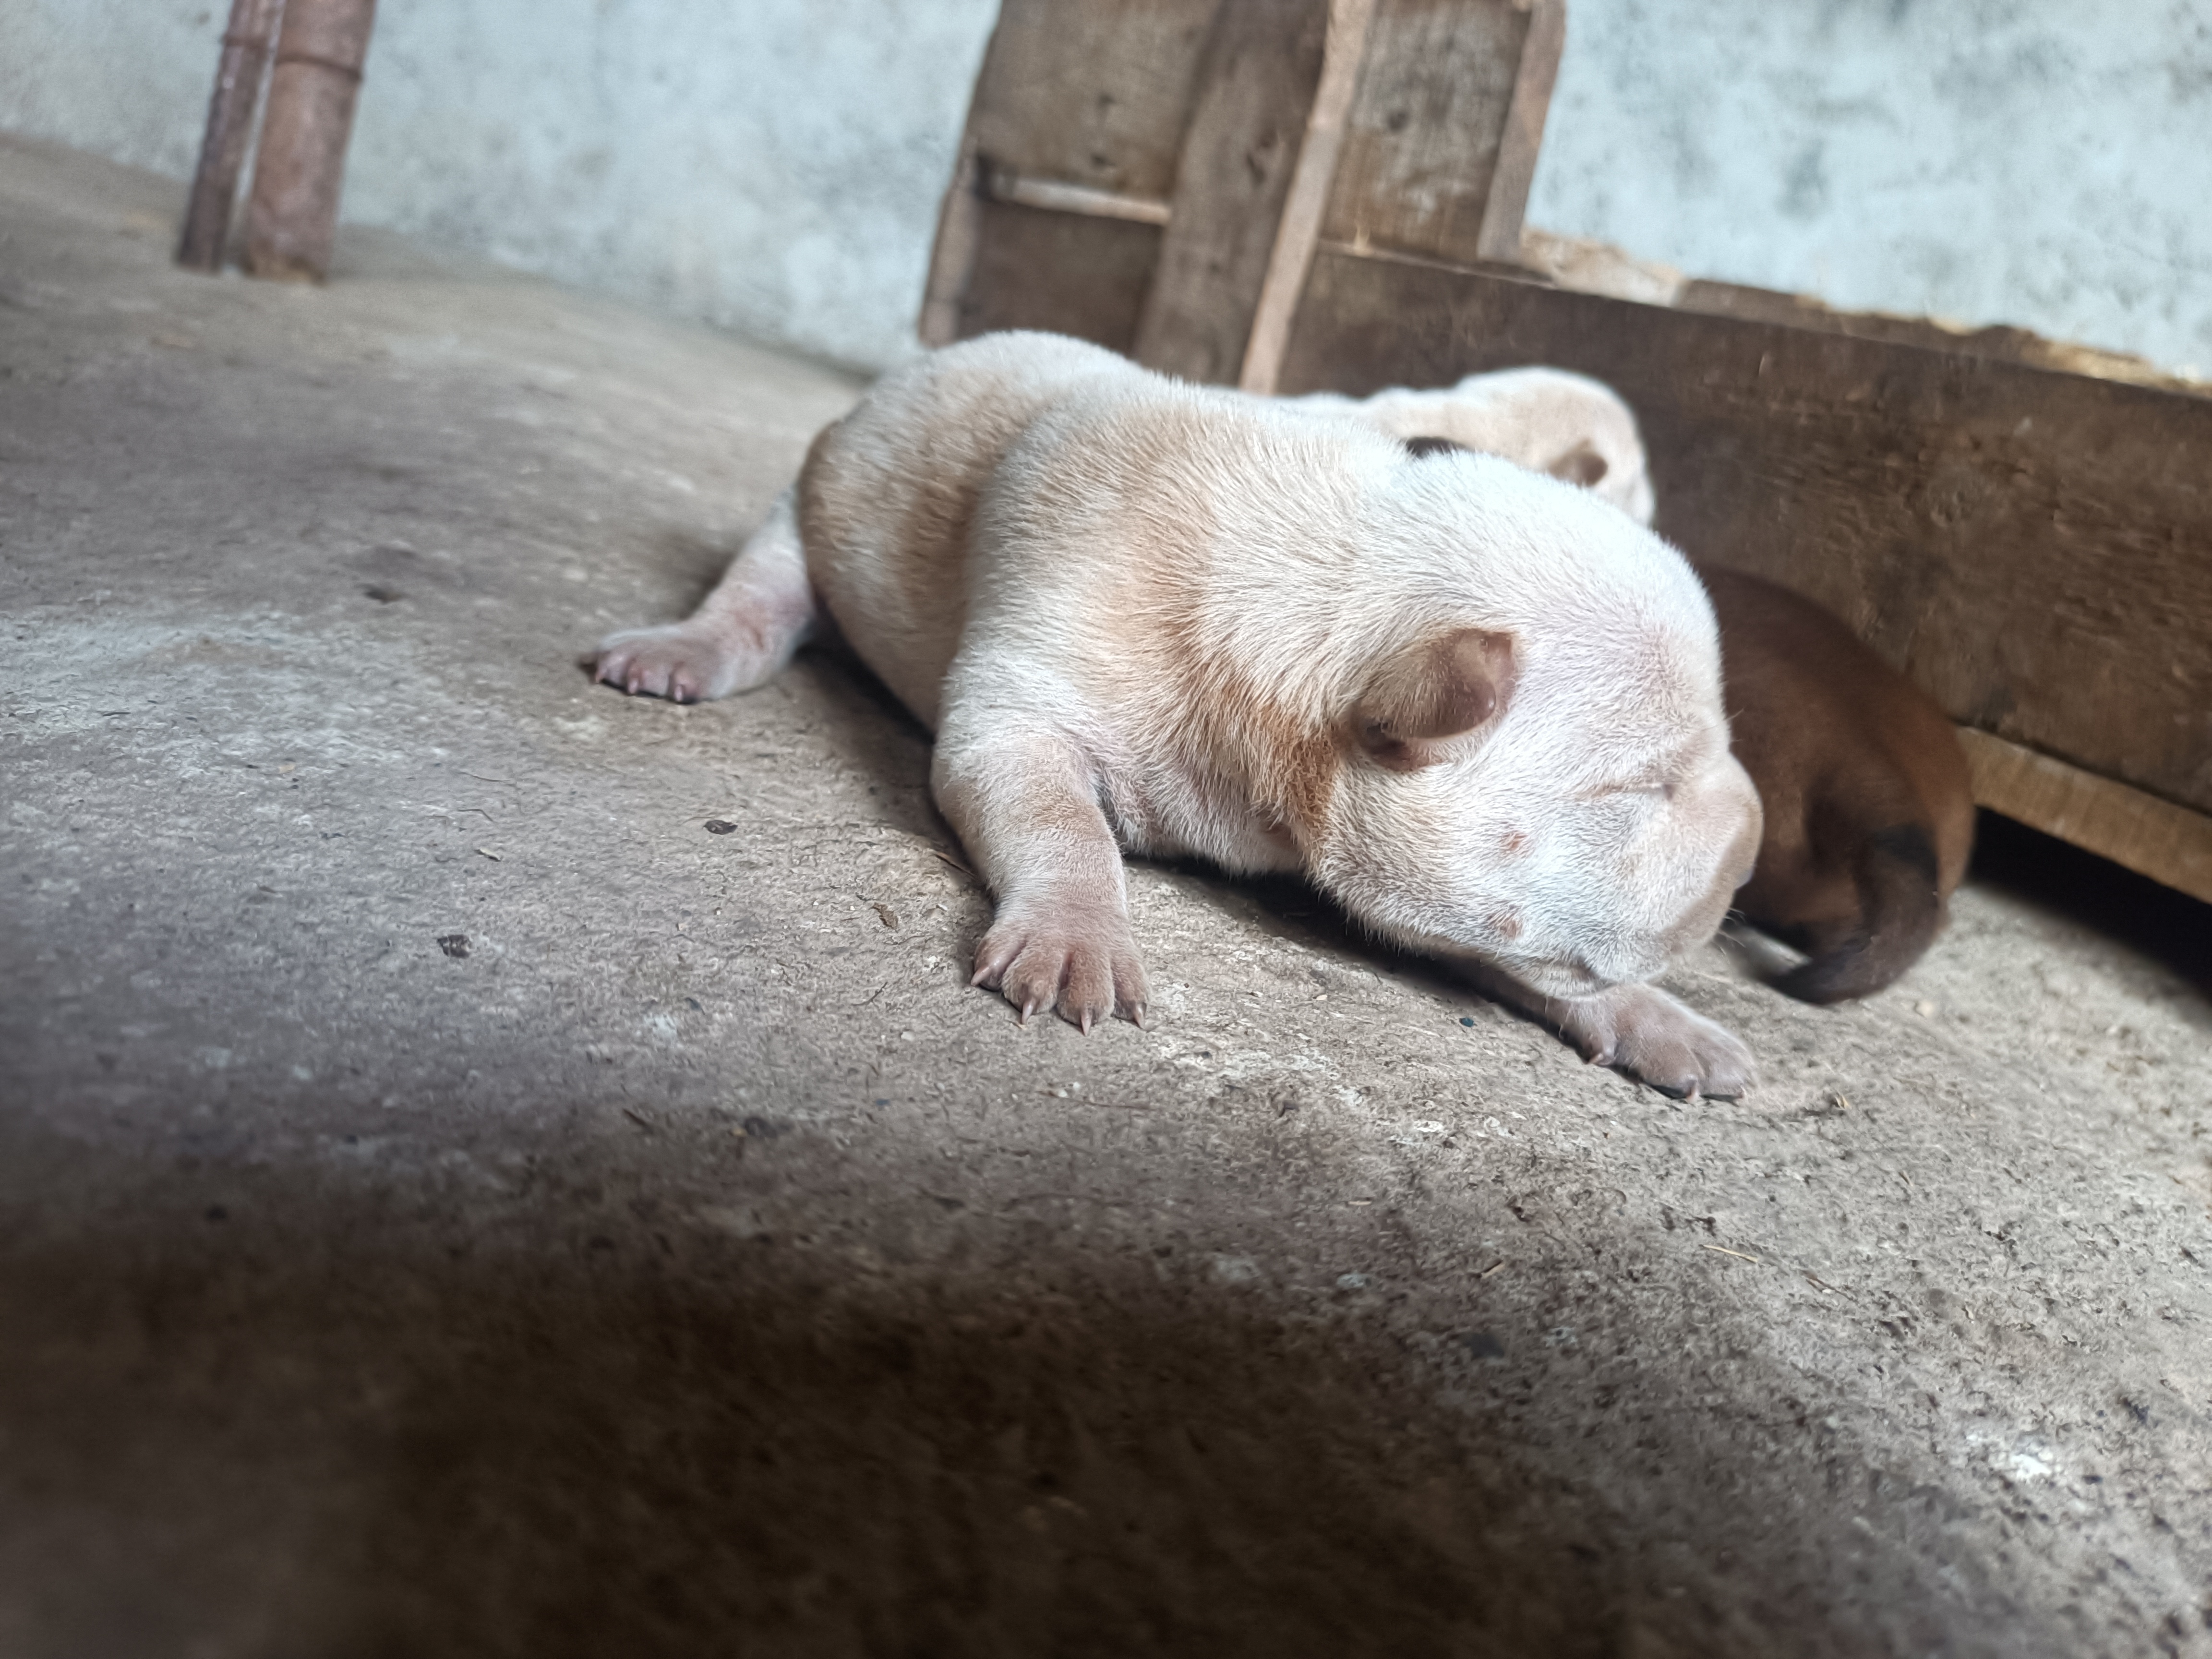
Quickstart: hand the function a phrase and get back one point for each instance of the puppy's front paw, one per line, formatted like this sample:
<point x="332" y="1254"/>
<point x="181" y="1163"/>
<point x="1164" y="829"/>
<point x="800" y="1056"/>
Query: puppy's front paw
<point x="686" y="662"/>
<point x="1079" y="960"/>
<point x="1645" y="1032"/>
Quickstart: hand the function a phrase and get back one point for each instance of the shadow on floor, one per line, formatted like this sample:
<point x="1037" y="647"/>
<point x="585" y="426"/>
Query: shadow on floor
<point x="238" y="1437"/>
<point x="2168" y="927"/>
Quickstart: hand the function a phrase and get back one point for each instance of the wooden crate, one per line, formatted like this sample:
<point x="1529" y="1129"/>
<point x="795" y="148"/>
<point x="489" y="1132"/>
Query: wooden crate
<point x="1302" y="195"/>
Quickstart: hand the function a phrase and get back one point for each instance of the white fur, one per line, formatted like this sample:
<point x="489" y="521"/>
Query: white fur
<point x="1148" y="616"/>
<point x="1545" y="419"/>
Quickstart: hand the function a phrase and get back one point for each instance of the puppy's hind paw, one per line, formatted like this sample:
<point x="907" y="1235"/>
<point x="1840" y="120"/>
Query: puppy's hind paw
<point x="686" y="662"/>
<point x="1081" y="964"/>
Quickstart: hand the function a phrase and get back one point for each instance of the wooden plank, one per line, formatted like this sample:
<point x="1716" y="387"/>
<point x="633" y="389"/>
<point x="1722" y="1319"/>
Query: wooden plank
<point x="1519" y="144"/>
<point x="292" y="215"/>
<point x="2152" y="837"/>
<point x="1063" y="272"/>
<point x="1255" y="85"/>
<point x="952" y="257"/>
<point x="2000" y="341"/>
<point x="2035" y="548"/>
<point x="1422" y="142"/>
<point x="1095" y="95"/>
<point x="246" y="43"/>
<point x="1005" y="184"/>
<point x="1297" y="233"/>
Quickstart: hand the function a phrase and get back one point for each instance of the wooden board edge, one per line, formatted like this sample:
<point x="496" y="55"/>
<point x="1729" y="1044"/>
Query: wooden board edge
<point x="1297" y="231"/>
<point x="1523" y="141"/>
<point x="2170" y="844"/>
<point x="952" y="259"/>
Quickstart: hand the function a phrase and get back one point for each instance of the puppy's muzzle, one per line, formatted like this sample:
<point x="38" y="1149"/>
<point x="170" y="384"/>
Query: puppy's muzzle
<point x="1703" y="919"/>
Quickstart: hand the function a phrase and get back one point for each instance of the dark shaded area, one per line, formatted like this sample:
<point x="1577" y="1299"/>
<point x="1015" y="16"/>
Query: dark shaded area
<point x="660" y="1441"/>
<point x="2170" y="927"/>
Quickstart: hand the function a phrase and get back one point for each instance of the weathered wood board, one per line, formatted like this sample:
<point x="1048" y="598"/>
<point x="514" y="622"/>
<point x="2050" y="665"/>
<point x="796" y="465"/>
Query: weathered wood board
<point x="1428" y="130"/>
<point x="2150" y="837"/>
<point x="1255" y="88"/>
<point x="1189" y="118"/>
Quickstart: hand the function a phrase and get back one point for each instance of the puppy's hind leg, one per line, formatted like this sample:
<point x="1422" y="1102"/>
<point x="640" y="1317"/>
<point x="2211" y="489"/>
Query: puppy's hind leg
<point x="760" y="612"/>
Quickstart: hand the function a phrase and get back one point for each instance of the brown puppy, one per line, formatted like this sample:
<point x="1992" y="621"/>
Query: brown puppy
<point x="1869" y="807"/>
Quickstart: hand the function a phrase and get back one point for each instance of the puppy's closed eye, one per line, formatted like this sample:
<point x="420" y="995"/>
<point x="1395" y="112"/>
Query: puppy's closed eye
<point x="1421" y="449"/>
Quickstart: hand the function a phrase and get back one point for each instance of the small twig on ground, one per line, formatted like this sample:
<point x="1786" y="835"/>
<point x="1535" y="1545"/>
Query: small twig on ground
<point x="1724" y="1250"/>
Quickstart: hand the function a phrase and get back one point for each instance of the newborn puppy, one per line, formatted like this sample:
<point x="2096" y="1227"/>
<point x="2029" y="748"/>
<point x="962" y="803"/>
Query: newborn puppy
<point x="1868" y="803"/>
<point x="1545" y="419"/>
<point x="1479" y="708"/>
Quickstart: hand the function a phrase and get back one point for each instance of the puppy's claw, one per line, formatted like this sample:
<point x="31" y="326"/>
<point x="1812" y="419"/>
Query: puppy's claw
<point x="1078" y="959"/>
<point x="687" y="662"/>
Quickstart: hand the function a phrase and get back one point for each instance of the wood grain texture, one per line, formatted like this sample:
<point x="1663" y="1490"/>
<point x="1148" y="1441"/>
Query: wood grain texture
<point x="1522" y="137"/>
<point x="2153" y="837"/>
<point x="1095" y="95"/>
<point x="2034" y="548"/>
<point x="293" y="214"/>
<point x="1297" y="231"/>
<point x="1422" y="141"/>
<point x="1062" y="272"/>
<point x="952" y="256"/>
<point x="232" y="106"/>
<point x="1255" y="86"/>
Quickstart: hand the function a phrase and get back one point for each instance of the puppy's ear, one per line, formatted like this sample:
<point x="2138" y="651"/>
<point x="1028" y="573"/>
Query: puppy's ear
<point x="1421" y="449"/>
<point x="1447" y="687"/>
<point x="1581" y="465"/>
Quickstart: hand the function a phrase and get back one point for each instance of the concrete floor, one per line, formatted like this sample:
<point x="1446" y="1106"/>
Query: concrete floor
<point x="490" y="1166"/>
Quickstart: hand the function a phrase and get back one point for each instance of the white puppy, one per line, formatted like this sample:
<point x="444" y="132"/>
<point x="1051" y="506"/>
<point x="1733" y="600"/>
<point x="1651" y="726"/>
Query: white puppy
<point x="1545" y="419"/>
<point x="1479" y="708"/>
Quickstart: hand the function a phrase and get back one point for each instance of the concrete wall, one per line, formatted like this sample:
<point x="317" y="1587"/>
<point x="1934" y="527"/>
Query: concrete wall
<point x="2042" y="163"/>
<point x="774" y="166"/>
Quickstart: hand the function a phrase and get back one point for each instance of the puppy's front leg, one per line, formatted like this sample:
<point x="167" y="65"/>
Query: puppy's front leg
<point x="1025" y="804"/>
<point x="1642" y="1030"/>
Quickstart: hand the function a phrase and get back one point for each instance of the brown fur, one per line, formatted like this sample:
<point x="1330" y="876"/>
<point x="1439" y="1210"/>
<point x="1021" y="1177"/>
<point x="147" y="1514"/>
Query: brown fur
<point x="1869" y="806"/>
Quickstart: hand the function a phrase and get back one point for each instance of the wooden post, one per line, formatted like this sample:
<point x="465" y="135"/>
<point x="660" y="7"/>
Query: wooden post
<point x="1298" y="230"/>
<point x="1239" y="151"/>
<point x="1499" y="238"/>
<point x="231" y="108"/>
<point x="294" y="214"/>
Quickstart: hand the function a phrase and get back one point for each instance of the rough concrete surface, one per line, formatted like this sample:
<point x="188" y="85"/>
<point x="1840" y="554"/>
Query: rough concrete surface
<point x="490" y="1166"/>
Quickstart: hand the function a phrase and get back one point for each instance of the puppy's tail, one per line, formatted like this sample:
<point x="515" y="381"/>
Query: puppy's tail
<point x="1900" y="910"/>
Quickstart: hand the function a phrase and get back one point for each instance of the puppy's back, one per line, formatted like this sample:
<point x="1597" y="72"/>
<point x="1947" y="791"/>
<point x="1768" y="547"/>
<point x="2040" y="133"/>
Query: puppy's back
<point x="888" y="497"/>
<point x="1870" y="805"/>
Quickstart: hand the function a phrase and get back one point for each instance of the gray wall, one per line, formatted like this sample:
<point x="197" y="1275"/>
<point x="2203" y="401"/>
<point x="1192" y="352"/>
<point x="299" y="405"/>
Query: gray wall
<point x="775" y="165"/>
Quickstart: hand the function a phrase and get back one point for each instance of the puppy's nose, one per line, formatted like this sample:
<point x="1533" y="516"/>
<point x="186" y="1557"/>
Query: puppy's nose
<point x="1735" y="866"/>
